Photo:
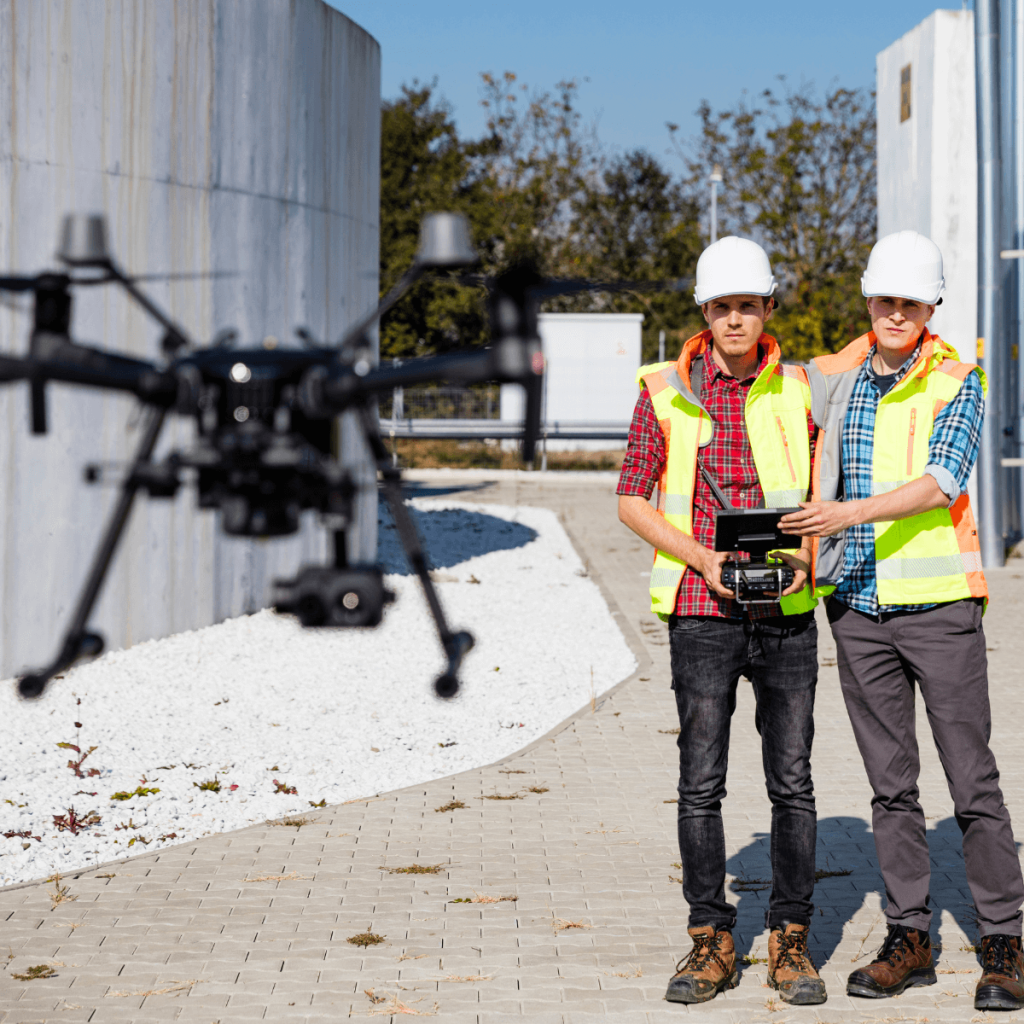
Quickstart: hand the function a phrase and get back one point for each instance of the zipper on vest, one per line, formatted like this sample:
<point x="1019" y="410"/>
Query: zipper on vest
<point x="785" y="444"/>
<point x="910" y="443"/>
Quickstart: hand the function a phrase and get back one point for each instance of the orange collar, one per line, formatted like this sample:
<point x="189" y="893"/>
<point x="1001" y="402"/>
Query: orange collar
<point x="698" y="346"/>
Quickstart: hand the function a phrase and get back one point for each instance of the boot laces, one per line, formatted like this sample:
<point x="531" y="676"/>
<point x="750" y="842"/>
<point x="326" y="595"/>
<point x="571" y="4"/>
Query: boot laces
<point x="705" y="949"/>
<point x="893" y="950"/>
<point x="998" y="956"/>
<point x="793" y="951"/>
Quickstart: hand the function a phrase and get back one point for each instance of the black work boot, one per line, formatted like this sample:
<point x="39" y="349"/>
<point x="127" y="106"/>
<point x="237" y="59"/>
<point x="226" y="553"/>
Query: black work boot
<point x="1001" y="986"/>
<point x="905" y="959"/>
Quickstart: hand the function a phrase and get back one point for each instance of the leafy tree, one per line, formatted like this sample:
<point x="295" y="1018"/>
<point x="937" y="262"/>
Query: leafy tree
<point x="640" y="225"/>
<point x="425" y="167"/>
<point x="800" y="179"/>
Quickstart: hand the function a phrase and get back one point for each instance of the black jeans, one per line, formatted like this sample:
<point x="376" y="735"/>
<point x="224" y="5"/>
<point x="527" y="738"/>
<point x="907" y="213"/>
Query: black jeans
<point x="779" y="656"/>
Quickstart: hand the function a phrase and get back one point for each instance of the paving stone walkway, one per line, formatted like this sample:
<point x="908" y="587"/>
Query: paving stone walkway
<point x="579" y="828"/>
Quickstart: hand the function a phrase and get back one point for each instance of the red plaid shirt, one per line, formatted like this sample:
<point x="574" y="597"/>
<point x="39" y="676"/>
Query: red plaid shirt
<point x="728" y="458"/>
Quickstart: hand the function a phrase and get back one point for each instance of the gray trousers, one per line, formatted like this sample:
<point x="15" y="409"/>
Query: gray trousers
<point x="943" y="650"/>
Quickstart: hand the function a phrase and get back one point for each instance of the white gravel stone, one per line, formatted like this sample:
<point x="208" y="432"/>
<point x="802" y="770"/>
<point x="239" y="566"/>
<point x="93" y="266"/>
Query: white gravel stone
<point x="337" y="715"/>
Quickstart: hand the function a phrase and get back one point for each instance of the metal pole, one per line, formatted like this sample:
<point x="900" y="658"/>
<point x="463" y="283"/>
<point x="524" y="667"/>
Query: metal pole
<point x="991" y="351"/>
<point x="1017" y="236"/>
<point x="715" y="179"/>
<point x="661" y="346"/>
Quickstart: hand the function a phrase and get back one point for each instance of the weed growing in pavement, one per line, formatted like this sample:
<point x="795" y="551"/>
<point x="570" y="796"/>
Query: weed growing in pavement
<point x="74" y="822"/>
<point x="503" y="796"/>
<point x="175" y="986"/>
<point x="772" y="1005"/>
<point x="33" y="973"/>
<point x="537" y="789"/>
<point x="415" y="869"/>
<point x="468" y="977"/>
<point x="477" y="898"/>
<point x="283" y="787"/>
<point x="675" y="878"/>
<point x="292" y="822"/>
<point x="368" y="992"/>
<point x="23" y="834"/>
<point x="750" y="884"/>
<point x="636" y="972"/>
<point x="669" y="732"/>
<point x="748" y="959"/>
<point x="512" y="771"/>
<point x="61" y="893"/>
<point x="292" y="876"/>
<point x="824" y="873"/>
<point x="560" y="924"/>
<point x="670" y="801"/>
<point x="452" y="805"/>
<point x="968" y="948"/>
<point x="396" y="1008"/>
<point x="366" y="939"/>
<point x="138" y="791"/>
<point x="210" y="785"/>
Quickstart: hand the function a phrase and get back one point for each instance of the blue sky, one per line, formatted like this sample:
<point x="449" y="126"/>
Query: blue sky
<point x="646" y="62"/>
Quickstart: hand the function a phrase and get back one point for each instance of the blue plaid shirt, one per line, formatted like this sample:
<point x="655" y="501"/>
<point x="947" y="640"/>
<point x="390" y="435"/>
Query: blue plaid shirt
<point x="952" y="452"/>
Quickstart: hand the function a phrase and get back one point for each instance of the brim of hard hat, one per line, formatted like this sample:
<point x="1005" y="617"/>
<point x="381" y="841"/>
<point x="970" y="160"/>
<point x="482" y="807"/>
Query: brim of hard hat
<point x="701" y="299"/>
<point x="930" y="297"/>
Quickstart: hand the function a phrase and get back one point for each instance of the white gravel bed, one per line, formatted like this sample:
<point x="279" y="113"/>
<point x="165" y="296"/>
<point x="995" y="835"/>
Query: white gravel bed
<point x="261" y="707"/>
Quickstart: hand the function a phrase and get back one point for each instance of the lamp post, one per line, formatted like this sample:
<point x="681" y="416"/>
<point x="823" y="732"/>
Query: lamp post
<point x="716" y="179"/>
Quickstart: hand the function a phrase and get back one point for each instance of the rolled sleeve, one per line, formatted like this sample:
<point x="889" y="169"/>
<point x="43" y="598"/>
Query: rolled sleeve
<point x="956" y="437"/>
<point x="946" y="481"/>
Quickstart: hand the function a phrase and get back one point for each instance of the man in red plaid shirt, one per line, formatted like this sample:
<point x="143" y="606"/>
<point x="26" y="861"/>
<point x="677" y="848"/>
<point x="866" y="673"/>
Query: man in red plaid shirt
<point x="735" y="418"/>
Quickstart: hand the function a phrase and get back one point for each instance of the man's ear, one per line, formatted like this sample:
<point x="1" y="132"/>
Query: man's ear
<point x="704" y="310"/>
<point x="769" y="308"/>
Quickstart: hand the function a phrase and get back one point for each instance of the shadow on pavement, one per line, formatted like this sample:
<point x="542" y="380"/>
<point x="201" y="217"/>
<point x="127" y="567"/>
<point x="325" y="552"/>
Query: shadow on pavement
<point x="846" y="844"/>
<point x="419" y="489"/>
<point x="449" y="537"/>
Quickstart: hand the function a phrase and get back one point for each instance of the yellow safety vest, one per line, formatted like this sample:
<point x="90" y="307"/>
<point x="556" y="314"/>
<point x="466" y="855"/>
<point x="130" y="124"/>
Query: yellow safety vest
<point x="927" y="558"/>
<point x="776" y="418"/>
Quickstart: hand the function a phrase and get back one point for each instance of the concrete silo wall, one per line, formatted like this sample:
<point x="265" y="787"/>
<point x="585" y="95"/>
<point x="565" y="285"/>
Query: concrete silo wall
<point x="216" y="135"/>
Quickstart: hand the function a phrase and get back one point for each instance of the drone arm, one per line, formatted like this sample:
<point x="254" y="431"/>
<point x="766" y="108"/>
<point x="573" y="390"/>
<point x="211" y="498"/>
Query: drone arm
<point x="456" y="645"/>
<point x="56" y="358"/>
<point x="78" y="641"/>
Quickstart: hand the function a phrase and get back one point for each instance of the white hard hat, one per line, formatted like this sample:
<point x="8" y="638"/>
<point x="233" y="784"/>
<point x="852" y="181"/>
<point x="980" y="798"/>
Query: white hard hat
<point x="905" y="265"/>
<point x="733" y="266"/>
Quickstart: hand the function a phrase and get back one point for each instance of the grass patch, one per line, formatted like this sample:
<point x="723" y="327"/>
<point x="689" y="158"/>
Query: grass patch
<point x="477" y="898"/>
<point x="365" y="939"/>
<point x="416" y="453"/>
<point x="825" y="873"/>
<point x="36" y="973"/>
<point x="452" y="805"/>
<point x="292" y="822"/>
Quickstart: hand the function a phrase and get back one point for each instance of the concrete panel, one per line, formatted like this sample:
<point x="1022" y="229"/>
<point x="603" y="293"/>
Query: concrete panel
<point x="927" y="164"/>
<point x="238" y="135"/>
<point x="591" y="362"/>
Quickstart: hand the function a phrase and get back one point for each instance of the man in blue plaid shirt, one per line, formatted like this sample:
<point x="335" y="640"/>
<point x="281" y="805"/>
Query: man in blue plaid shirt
<point x="900" y="421"/>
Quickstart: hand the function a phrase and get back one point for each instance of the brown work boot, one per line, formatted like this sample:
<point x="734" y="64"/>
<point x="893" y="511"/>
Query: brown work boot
<point x="709" y="967"/>
<point x="905" y="959"/>
<point x="790" y="968"/>
<point x="1002" y="974"/>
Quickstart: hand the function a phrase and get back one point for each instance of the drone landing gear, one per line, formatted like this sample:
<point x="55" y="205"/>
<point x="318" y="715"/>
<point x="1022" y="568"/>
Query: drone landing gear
<point x="78" y="641"/>
<point x="456" y="644"/>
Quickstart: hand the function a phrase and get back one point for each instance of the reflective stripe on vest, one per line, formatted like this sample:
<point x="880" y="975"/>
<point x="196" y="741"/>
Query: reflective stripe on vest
<point x="776" y="419"/>
<point x="927" y="558"/>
